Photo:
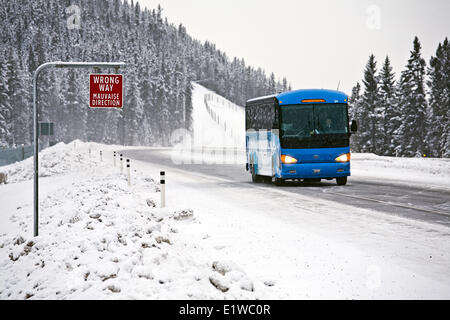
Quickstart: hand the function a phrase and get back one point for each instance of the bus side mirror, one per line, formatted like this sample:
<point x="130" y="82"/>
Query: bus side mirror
<point x="354" y="126"/>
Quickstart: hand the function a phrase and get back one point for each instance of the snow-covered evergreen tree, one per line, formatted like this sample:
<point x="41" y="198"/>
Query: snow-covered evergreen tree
<point x="404" y="125"/>
<point x="134" y="112"/>
<point x="439" y="101"/>
<point x="368" y="116"/>
<point x="355" y="104"/>
<point x="5" y="107"/>
<point x="272" y="84"/>
<point x="388" y="120"/>
<point x="412" y="105"/>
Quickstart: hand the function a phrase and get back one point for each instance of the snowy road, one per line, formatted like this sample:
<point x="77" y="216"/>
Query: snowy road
<point x="428" y="204"/>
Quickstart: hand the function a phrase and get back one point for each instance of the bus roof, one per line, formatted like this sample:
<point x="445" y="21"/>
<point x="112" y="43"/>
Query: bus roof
<point x="298" y="97"/>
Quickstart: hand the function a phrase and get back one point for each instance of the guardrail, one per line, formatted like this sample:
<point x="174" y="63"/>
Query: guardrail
<point x="230" y="114"/>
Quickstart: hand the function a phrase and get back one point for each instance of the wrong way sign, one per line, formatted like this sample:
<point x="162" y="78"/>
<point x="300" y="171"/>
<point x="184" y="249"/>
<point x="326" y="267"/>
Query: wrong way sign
<point x="106" y="91"/>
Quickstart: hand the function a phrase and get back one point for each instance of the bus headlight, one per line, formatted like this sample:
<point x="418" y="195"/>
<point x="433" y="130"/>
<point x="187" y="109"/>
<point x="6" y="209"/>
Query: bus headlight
<point x="288" y="159"/>
<point x="343" y="157"/>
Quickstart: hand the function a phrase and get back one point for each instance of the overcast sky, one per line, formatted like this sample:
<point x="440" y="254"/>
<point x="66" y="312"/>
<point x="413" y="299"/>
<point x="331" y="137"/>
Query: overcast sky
<point x="315" y="44"/>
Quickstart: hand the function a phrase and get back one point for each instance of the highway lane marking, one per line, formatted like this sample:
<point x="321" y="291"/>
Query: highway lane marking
<point x="399" y="183"/>
<point x="391" y="203"/>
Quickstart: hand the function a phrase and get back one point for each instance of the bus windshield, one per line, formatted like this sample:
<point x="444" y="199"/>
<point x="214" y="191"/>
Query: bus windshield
<point x="314" y="122"/>
<point x="308" y="120"/>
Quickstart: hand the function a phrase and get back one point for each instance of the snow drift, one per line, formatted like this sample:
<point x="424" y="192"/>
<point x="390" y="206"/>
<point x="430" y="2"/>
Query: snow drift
<point x="101" y="239"/>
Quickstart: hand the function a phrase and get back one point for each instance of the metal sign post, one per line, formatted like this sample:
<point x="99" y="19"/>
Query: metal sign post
<point x="54" y="64"/>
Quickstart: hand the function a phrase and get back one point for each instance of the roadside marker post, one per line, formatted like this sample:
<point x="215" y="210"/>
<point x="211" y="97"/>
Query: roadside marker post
<point x="121" y="164"/>
<point x="163" y="189"/>
<point x="58" y="65"/>
<point x="128" y="172"/>
<point x="101" y="156"/>
<point x="114" y="158"/>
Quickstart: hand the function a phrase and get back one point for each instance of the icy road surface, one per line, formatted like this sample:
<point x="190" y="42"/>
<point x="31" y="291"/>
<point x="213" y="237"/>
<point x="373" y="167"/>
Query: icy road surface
<point x="425" y="203"/>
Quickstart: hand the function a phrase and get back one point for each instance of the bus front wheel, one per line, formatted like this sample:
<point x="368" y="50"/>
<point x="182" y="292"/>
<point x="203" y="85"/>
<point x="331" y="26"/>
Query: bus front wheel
<point x="342" y="181"/>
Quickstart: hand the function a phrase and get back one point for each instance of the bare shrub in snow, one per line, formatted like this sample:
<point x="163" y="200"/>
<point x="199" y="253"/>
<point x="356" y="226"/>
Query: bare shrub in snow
<point x="3" y="178"/>
<point x="151" y="203"/>
<point x="183" y="214"/>
<point x="219" y="283"/>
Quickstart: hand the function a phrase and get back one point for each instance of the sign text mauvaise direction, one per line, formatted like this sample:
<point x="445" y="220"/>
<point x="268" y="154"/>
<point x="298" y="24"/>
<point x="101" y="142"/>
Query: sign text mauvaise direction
<point x="106" y="91"/>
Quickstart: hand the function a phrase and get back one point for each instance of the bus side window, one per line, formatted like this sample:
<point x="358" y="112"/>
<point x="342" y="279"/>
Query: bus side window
<point x="263" y="113"/>
<point x="268" y="115"/>
<point x="275" y="124"/>
<point x="248" y="117"/>
<point x="261" y="117"/>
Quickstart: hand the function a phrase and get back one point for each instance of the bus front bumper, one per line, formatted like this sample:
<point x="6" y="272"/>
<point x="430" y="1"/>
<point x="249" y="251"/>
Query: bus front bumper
<point x="315" y="170"/>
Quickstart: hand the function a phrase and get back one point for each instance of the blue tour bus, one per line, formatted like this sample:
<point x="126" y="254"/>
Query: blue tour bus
<point x="300" y="135"/>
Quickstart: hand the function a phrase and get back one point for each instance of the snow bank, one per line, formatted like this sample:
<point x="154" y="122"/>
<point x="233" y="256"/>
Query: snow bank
<point x="101" y="239"/>
<point x="55" y="160"/>
<point x="422" y="171"/>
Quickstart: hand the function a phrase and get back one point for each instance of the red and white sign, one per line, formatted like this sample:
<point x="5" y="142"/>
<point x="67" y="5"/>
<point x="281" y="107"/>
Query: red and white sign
<point x="106" y="91"/>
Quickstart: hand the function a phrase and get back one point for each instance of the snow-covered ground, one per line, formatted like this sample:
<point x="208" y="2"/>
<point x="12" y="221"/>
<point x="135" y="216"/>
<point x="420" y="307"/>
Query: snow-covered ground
<point x="217" y="238"/>
<point x="417" y="171"/>
<point x="100" y="238"/>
